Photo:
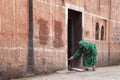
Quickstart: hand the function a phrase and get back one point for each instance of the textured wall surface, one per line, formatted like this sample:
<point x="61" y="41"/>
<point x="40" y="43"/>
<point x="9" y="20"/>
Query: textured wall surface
<point x="47" y="37"/>
<point x="13" y="37"/>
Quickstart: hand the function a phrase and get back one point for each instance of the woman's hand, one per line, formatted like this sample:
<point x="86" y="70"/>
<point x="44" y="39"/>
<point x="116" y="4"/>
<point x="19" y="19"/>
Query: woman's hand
<point x="71" y="58"/>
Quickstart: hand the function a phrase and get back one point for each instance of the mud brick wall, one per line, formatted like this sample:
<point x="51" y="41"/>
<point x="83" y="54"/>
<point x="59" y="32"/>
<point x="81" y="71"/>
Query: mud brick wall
<point x="37" y="47"/>
<point x="33" y="35"/>
<point x="49" y="39"/>
<point x="13" y="37"/>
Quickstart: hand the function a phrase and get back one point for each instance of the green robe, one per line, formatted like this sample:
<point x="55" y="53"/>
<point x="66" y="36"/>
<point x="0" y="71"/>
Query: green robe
<point x="89" y="59"/>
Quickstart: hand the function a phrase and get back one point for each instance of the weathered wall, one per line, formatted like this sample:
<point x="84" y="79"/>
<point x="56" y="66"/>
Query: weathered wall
<point x="50" y="34"/>
<point x="106" y="13"/>
<point x="115" y="41"/>
<point x="115" y="32"/>
<point x="48" y="37"/>
<point x="13" y="37"/>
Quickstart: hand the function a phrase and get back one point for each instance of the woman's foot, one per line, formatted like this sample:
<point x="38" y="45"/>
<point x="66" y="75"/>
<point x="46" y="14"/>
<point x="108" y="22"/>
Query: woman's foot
<point x="93" y="69"/>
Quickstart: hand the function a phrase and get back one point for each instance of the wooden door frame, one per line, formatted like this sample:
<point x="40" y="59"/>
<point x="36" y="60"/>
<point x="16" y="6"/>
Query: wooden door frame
<point x="75" y="8"/>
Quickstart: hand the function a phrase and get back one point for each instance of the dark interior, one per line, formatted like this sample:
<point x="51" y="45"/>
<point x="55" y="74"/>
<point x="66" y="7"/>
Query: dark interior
<point x="74" y="35"/>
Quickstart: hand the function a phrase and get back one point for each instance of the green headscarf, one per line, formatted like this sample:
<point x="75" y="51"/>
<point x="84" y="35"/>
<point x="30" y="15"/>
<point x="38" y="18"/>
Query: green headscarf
<point x="84" y="44"/>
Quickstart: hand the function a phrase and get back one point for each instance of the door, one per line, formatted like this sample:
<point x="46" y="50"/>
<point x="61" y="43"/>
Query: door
<point x="74" y="35"/>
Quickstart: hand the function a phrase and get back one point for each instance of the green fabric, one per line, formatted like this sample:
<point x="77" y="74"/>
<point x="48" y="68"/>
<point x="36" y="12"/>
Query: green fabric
<point x="89" y="58"/>
<point x="77" y="53"/>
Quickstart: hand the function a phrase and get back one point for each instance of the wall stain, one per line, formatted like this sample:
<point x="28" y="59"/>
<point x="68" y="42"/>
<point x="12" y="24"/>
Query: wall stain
<point x="30" y="55"/>
<point x="58" y="31"/>
<point x="87" y="33"/>
<point x="116" y="35"/>
<point x="43" y="31"/>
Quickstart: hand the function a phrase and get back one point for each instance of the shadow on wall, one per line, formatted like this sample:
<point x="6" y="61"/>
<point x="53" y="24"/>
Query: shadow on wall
<point x="58" y="31"/>
<point x="30" y="56"/>
<point x="43" y="31"/>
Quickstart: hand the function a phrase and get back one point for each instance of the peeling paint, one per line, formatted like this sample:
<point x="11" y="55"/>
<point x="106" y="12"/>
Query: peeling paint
<point x="116" y="35"/>
<point x="43" y="31"/>
<point x="58" y="31"/>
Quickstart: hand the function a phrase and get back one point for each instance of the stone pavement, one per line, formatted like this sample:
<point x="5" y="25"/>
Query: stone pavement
<point x="103" y="73"/>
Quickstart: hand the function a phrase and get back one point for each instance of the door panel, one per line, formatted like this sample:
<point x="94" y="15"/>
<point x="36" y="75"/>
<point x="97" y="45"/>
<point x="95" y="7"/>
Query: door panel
<point x="74" y="35"/>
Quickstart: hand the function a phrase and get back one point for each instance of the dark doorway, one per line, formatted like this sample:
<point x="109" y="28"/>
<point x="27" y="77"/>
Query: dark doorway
<point x="74" y="35"/>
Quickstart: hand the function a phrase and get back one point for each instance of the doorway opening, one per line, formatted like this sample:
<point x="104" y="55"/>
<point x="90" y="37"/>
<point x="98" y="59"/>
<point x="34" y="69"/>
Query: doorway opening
<point x="74" y="35"/>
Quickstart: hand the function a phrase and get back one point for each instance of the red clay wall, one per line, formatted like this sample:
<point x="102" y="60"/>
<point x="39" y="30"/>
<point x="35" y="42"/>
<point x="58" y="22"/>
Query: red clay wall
<point x="13" y="37"/>
<point x="50" y="33"/>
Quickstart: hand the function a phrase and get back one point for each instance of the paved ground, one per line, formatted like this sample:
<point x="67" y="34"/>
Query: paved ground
<point x="104" y="73"/>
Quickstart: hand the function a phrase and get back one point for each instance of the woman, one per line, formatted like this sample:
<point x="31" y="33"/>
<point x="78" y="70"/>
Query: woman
<point x="89" y="52"/>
